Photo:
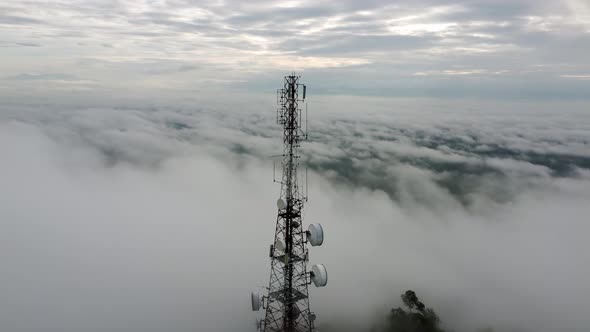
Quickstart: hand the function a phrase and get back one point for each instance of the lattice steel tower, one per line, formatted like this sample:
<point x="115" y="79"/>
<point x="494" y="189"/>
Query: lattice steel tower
<point x="287" y="302"/>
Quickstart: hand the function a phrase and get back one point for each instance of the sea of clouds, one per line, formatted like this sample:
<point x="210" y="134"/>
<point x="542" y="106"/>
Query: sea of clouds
<point x="158" y="218"/>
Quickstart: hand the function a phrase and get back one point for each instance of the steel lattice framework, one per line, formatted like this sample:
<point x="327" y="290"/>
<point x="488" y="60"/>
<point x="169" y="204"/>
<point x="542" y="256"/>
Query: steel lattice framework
<point x="287" y="307"/>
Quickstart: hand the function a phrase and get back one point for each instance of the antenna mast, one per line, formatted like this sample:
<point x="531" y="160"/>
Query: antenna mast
<point x="287" y="302"/>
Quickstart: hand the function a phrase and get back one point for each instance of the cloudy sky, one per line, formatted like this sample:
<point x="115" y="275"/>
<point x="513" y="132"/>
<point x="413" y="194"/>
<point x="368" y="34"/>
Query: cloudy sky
<point x="401" y="48"/>
<point x="448" y="153"/>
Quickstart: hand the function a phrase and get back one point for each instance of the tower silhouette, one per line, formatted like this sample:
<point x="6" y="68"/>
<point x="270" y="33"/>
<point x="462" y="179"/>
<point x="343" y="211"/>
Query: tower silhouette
<point x="287" y="301"/>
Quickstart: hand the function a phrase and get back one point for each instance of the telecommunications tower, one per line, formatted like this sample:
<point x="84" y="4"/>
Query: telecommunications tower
<point x="287" y="302"/>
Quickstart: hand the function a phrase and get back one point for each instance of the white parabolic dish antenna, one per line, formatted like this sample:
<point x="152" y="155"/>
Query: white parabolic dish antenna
<point x="315" y="234"/>
<point x="281" y="204"/>
<point x="319" y="275"/>
<point x="256" y="301"/>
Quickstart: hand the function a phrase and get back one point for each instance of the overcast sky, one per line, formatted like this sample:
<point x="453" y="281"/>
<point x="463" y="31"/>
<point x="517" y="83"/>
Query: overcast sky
<point x="480" y="48"/>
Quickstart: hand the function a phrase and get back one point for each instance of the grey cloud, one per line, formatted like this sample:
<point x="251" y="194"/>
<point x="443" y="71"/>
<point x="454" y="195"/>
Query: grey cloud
<point x="18" y="20"/>
<point x="280" y="17"/>
<point x="361" y="152"/>
<point x="392" y="40"/>
<point x="143" y="196"/>
<point x="41" y="76"/>
<point x="28" y="44"/>
<point x="347" y="44"/>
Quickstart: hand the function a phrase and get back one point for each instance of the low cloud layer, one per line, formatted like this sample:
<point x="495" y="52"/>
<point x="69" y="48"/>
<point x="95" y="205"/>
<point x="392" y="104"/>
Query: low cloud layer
<point x="153" y="219"/>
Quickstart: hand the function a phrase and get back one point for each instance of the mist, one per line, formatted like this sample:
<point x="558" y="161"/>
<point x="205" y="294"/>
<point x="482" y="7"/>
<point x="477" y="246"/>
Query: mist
<point x="142" y="219"/>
